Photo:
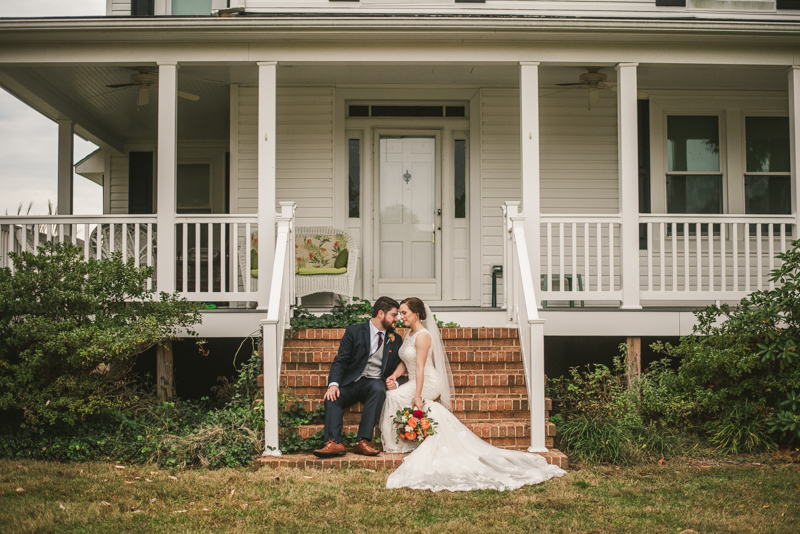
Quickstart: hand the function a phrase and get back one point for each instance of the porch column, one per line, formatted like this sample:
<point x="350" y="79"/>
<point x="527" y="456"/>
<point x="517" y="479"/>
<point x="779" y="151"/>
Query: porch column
<point x="167" y="170"/>
<point x="628" y="158"/>
<point x="794" y="140"/>
<point x="529" y="156"/>
<point x="267" y="79"/>
<point x="66" y="132"/>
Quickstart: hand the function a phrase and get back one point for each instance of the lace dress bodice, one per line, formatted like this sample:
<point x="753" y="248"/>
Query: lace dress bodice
<point x="408" y="355"/>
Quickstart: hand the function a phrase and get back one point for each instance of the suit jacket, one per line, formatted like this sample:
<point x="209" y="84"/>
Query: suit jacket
<point x="354" y="353"/>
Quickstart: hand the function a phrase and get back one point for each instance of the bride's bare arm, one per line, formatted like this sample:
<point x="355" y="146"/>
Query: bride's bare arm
<point x="423" y="343"/>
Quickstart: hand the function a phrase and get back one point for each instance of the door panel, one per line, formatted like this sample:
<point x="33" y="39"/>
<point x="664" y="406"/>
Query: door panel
<point x="407" y="216"/>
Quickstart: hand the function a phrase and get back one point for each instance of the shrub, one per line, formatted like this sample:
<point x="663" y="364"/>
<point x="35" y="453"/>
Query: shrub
<point x="70" y="328"/>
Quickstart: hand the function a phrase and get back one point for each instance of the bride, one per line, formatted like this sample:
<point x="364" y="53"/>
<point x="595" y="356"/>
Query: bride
<point x="453" y="458"/>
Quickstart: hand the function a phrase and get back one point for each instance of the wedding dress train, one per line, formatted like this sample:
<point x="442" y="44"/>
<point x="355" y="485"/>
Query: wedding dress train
<point x="453" y="458"/>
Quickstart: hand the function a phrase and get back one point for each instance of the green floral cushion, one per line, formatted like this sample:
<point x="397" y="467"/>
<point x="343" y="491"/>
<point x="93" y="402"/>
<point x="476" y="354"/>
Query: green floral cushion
<point x="319" y="251"/>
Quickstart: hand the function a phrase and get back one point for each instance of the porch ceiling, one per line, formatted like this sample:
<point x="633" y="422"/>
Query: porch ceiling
<point x="116" y="109"/>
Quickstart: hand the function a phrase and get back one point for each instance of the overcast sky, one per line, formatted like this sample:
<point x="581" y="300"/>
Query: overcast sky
<point x="29" y="141"/>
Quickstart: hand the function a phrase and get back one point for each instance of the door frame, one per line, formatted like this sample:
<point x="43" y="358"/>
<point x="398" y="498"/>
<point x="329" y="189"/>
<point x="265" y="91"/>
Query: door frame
<point x="403" y="133"/>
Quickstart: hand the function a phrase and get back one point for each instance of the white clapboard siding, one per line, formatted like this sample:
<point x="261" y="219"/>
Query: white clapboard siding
<point x="304" y="166"/>
<point x="118" y="8"/>
<point x="119" y="184"/>
<point x="578" y="165"/>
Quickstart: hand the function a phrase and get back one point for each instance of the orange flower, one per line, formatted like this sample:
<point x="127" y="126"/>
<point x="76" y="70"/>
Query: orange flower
<point x="411" y="436"/>
<point x="310" y="255"/>
<point x="425" y="424"/>
<point x="412" y="422"/>
<point x="336" y="244"/>
<point x="308" y="241"/>
<point x="425" y="432"/>
<point x="323" y="249"/>
<point x="299" y="260"/>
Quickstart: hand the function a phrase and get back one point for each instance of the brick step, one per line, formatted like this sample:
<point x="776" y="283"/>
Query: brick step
<point x="382" y="461"/>
<point x="448" y="334"/>
<point x="456" y="355"/>
<point x="483" y="428"/>
<point x="505" y="378"/>
<point x="479" y="403"/>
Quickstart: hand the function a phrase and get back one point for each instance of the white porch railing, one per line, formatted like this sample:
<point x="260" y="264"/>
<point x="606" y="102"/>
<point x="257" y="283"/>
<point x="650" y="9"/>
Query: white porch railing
<point x="213" y="260"/>
<point x="712" y="257"/>
<point x="281" y="298"/>
<point x="580" y="258"/>
<point x="134" y="236"/>
<point x="522" y="306"/>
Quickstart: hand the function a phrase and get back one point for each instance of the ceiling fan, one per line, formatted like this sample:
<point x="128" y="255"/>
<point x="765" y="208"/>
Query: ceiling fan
<point x="144" y="80"/>
<point x="593" y="81"/>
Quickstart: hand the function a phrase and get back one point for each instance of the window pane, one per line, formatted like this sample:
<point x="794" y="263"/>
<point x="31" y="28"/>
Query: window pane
<point x="191" y="7"/>
<point x="359" y="111"/>
<point x="694" y="194"/>
<point x="354" y="195"/>
<point x="454" y="111"/>
<point x="768" y="194"/>
<point x="693" y="143"/>
<point x="767" y="144"/>
<point x="194" y="188"/>
<point x="461" y="179"/>
<point x="407" y="111"/>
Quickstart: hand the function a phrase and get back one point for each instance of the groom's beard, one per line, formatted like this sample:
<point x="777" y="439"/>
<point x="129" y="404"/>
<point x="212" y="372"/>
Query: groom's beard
<point x="387" y="325"/>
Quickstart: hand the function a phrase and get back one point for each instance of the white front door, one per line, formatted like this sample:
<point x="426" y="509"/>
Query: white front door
<point x="409" y="249"/>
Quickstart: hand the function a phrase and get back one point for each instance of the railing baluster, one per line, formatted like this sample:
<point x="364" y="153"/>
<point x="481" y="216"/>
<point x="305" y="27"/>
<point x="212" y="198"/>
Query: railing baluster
<point x="759" y="258"/>
<point x="124" y="230"/>
<point x="662" y="230"/>
<point x="686" y="256"/>
<point x="210" y="230"/>
<point x="699" y="245"/>
<point x="599" y="257"/>
<point x="649" y="242"/>
<point x="235" y="257"/>
<point x="586" y="255"/>
<point x="574" y="258"/>
<point x="223" y="255"/>
<point x="612" y="286"/>
<point x="185" y="262"/>
<point x="150" y="253"/>
<point x="197" y="249"/>
<point x="735" y="243"/>
<point x="136" y="244"/>
<point x="247" y="256"/>
<point x="771" y="234"/>
<point x="723" y="259"/>
<point x="111" y="239"/>
<point x="35" y="230"/>
<point x="98" y="241"/>
<point x="711" y="257"/>
<point x="548" y="277"/>
<point x="746" y="235"/>
<point x="561" y="276"/>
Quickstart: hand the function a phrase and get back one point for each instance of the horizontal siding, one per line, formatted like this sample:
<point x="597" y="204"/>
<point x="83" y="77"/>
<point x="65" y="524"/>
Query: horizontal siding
<point x="578" y="162"/>
<point x="119" y="8"/>
<point x="304" y="155"/>
<point x="119" y="184"/>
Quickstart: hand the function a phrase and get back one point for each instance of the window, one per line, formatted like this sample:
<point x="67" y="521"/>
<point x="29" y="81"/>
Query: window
<point x="143" y="8"/>
<point x="460" y="188"/>
<point x="354" y="178"/>
<point x="767" y="180"/>
<point x="406" y="111"/>
<point x="694" y="180"/>
<point x="140" y="183"/>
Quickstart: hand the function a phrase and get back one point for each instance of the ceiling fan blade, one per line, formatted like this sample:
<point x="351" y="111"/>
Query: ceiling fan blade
<point x="121" y="85"/>
<point x="188" y="96"/>
<point x="607" y="86"/>
<point x="566" y="84"/>
<point x="144" y="95"/>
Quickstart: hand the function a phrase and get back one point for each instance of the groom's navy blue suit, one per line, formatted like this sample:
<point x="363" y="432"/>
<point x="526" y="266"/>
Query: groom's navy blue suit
<point x="347" y="367"/>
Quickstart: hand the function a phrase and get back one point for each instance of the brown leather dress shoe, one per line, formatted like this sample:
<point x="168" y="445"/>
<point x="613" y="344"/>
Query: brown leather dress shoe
<point x="330" y="449"/>
<point x="363" y="447"/>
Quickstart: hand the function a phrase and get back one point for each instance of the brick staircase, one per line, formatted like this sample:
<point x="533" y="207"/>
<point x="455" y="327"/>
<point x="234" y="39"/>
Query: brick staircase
<point x="490" y="394"/>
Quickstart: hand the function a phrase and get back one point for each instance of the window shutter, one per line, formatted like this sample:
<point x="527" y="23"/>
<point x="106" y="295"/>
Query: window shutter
<point x="143" y="8"/>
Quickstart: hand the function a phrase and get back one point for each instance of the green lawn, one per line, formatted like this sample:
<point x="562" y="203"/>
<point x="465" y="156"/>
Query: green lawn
<point x="704" y="496"/>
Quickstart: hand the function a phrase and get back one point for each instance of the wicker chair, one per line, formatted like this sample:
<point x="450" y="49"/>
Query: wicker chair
<point x="341" y="284"/>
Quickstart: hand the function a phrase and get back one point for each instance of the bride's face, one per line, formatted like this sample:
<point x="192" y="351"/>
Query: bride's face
<point x="407" y="316"/>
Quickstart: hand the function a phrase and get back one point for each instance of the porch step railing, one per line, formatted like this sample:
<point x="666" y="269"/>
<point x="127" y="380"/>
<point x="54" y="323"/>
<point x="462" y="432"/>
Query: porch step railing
<point x="711" y="257"/>
<point x="273" y="328"/>
<point x="522" y="306"/>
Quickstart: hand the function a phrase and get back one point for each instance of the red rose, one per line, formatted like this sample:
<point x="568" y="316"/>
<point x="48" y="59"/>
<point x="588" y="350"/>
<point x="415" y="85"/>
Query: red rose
<point x="418" y="414"/>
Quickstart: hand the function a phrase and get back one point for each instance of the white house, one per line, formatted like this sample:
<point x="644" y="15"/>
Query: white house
<point x="622" y="161"/>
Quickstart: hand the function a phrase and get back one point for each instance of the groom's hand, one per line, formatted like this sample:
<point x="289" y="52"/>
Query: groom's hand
<point x="391" y="383"/>
<point x="332" y="394"/>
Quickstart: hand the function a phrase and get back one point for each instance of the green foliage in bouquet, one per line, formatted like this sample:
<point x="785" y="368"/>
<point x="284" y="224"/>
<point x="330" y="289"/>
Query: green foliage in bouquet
<point x="70" y="329"/>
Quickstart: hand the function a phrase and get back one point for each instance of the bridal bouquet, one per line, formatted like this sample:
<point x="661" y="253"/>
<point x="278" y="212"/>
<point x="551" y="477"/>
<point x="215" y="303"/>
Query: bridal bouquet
<point x="413" y="425"/>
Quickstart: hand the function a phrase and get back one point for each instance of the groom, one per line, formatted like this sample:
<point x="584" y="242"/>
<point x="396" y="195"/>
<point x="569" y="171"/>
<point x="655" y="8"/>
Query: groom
<point x="367" y="357"/>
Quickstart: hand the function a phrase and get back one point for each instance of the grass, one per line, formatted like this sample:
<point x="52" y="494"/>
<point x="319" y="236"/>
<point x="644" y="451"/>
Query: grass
<point x="735" y="495"/>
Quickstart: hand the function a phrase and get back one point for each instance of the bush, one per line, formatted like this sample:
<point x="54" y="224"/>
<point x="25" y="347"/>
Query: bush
<point x="70" y="329"/>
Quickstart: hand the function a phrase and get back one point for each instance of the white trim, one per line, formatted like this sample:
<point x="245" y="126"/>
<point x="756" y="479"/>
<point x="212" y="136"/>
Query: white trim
<point x="267" y="108"/>
<point x="167" y="171"/>
<point x="475" y="184"/>
<point x="234" y="149"/>
<point x="794" y="135"/>
<point x="529" y="156"/>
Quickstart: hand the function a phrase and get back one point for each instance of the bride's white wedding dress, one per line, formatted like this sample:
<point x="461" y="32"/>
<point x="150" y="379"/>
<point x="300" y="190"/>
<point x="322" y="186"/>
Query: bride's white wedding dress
<point x="453" y="458"/>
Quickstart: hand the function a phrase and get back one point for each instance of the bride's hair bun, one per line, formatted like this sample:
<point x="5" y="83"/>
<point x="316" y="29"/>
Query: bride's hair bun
<point x="417" y="306"/>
